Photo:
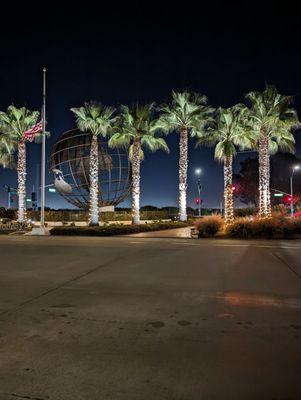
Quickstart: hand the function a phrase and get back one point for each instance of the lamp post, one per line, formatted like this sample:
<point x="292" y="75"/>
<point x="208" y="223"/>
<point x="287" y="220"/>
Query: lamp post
<point x="198" y="172"/>
<point x="295" y="168"/>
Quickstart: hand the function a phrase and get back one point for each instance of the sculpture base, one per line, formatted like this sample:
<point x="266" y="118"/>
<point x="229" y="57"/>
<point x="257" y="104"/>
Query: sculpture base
<point x="39" y="231"/>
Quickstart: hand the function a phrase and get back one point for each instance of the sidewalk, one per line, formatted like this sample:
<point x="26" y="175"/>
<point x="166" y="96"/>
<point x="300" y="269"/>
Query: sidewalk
<point x="168" y="233"/>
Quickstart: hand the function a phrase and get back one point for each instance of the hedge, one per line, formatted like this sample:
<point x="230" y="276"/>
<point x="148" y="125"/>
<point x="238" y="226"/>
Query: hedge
<point x="269" y="228"/>
<point x="72" y="216"/>
<point x="279" y="226"/>
<point x="111" y="230"/>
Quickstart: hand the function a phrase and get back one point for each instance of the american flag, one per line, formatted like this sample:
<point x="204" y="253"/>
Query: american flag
<point x="31" y="133"/>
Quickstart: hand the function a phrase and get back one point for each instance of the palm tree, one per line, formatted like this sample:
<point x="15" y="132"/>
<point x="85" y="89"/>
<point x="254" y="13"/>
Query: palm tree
<point x="271" y="122"/>
<point x="187" y="114"/>
<point x="136" y="128"/>
<point x="227" y="133"/>
<point x="7" y="148"/>
<point x="97" y="120"/>
<point x="15" y="123"/>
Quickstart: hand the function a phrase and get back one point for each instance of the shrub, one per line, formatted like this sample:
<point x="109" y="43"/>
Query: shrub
<point x="297" y="225"/>
<point x="209" y="226"/>
<point x="116" y="229"/>
<point x="7" y="213"/>
<point x="277" y="227"/>
<point x="244" y="212"/>
<point x="281" y="209"/>
<point x="77" y="215"/>
<point x="240" y="228"/>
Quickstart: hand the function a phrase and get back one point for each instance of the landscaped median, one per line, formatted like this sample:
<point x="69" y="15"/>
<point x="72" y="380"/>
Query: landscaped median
<point x="279" y="226"/>
<point x="116" y="229"/>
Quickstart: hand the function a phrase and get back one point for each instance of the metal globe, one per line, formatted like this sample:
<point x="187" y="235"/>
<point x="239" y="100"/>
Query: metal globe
<point x="69" y="162"/>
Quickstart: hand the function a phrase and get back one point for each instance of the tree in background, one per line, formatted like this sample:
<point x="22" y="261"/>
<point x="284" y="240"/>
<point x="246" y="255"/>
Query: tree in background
<point x="96" y="119"/>
<point x="187" y="115"/>
<point x="137" y="129"/>
<point x="246" y="179"/>
<point x="246" y="182"/>
<point x="271" y="121"/>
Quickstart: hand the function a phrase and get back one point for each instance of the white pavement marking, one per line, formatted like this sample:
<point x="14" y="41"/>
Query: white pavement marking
<point x="239" y="245"/>
<point x="186" y="243"/>
<point x="258" y="245"/>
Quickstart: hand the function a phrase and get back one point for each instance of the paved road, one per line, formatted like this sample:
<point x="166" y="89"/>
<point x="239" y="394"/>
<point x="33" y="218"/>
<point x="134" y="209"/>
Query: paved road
<point x="149" y="319"/>
<point x="168" y="233"/>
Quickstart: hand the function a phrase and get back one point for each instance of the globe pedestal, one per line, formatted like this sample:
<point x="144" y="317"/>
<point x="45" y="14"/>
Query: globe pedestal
<point x="39" y="231"/>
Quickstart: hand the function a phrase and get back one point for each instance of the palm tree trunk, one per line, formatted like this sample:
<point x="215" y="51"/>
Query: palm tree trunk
<point x="264" y="176"/>
<point x="21" y="168"/>
<point x="136" y="183"/>
<point x="183" y="173"/>
<point x="228" y="192"/>
<point x="94" y="211"/>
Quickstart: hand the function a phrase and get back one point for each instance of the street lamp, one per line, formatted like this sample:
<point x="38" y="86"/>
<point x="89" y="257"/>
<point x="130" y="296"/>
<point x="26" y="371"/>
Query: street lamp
<point x="295" y="168"/>
<point x="198" y="172"/>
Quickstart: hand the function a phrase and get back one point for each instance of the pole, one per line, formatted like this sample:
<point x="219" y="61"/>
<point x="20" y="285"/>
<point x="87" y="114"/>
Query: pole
<point x="292" y="194"/>
<point x="38" y="167"/>
<point x="199" y="191"/>
<point x="9" y="198"/>
<point x="43" y="155"/>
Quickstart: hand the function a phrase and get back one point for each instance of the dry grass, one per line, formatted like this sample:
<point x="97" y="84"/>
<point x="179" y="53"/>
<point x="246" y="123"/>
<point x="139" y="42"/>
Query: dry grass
<point x="277" y="227"/>
<point x="209" y="226"/>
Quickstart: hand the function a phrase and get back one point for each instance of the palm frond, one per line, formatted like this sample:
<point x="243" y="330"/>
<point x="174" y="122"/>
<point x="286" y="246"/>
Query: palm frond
<point x="94" y="118"/>
<point x="227" y="131"/>
<point x="39" y="137"/>
<point x="138" y="123"/>
<point x="224" y="150"/>
<point x="16" y="121"/>
<point x="119" y="140"/>
<point x="272" y="113"/>
<point x="153" y="143"/>
<point x="187" y="110"/>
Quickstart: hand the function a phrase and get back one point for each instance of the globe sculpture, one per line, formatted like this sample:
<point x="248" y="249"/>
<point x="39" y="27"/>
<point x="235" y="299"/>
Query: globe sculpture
<point x="69" y="162"/>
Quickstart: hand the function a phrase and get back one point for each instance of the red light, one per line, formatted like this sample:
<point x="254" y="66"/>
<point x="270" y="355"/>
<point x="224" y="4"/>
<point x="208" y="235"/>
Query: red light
<point x="197" y="200"/>
<point x="288" y="199"/>
<point x="233" y="187"/>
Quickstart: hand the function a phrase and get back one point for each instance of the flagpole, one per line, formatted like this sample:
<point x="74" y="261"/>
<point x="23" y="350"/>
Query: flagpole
<point x="41" y="230"/>
<point x="43" y="155"/>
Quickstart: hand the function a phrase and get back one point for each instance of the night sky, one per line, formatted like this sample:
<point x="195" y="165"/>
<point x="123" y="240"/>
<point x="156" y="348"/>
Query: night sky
<point x="139" y="53"/>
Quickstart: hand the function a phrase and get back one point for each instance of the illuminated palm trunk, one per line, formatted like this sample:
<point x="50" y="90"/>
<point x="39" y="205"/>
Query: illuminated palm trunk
<point x="21" y="168"/>
<point x="264" y="176"/>
<point x="94" y="181"/>
<point x="183" y="173"/>
<point x="136" y="183"/>
<point x="228" y="192"/>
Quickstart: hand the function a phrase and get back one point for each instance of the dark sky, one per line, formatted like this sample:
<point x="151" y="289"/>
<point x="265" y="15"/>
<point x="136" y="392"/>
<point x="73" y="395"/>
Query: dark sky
<point x="140" y="53"/>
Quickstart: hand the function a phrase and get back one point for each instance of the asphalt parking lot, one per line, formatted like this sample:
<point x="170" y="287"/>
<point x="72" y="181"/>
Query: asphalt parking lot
<point x="146" y="319"/>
